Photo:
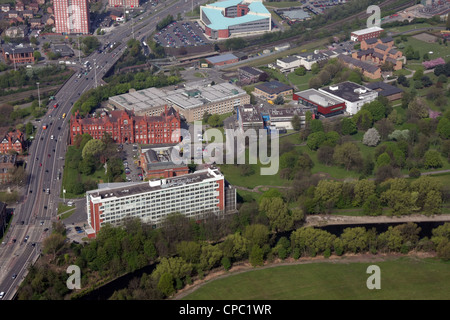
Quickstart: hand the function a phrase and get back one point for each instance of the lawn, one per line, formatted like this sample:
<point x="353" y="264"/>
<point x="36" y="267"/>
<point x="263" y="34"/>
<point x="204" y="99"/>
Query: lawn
<point x="401" y="279"/>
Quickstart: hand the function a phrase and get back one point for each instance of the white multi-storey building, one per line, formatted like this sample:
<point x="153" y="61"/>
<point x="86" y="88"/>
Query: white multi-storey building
<point x="193" y="195"/>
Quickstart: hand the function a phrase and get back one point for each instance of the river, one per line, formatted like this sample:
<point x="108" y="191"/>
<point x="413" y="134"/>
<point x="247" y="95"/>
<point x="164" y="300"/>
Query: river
<point x="107" y="290"/>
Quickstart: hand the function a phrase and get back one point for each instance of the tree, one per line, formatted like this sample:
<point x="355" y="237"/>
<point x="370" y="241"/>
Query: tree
<point x="53" y="244"/>
<point x="443" y="128"/>
<point x="256" y="256"/>
<point x="432" y="159"/>
<point x="177" y="267"/>
<point x="383" y="159"/>
<point x="256" y="234"/>
<point x="210" y="256"/>
<point x="277" y="212"/>
<point x="363" y="190"/>
<point x="165" y="284"/>
<point x="296" y="124"/>
<point x="37" y="56"/>
<point x="355" y="239"/>
<point x="348" y="126"/>
<point x="92" y="148"/>
<point x="363" y="119"/>
<point x="327" y="194"/>
<point x="372" y="206"/>
<point x="311" y="241"/>
<point x="371" y="137"/>
<point x="189" y="251"/>
<point x="417" y="108"/>
<point x="348" y="156"/>
<point x="325" y="155"/>
<point x="376" y="108"/>
<point x="214" y="120"/>
<point x="279" y="100"/>
<point x="300" y="71"/>
<point x="315" y="140"/>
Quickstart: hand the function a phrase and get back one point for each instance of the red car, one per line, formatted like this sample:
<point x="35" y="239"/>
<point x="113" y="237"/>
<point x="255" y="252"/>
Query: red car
<point x="55" y="106"/>
<point x="40" y="164"/>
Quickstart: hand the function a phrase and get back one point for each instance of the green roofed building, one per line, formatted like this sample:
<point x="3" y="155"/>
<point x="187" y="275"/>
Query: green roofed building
<point x="228" y="18"/>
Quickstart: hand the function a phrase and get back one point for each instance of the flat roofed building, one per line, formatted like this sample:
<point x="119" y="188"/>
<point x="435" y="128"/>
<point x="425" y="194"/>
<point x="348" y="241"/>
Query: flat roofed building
<point x="281" y="118"/>
<point x="223" y="59"/>
<point x="364" y="34"/>
<point x="289" y="64"/>
<point x="235" y="17"/>
<point x="384" y="89"/>
<point x="249" y="117"/>
<point x="272" y="89"/>
<point x="193" y="195"/>
<point x="157" y="163"/>
<point x="353" y="94"/>
<point x="191" y="102"/>
<point x="323" y="103"/>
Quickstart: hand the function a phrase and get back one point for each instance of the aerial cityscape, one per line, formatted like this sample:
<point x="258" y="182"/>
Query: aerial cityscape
<point x="225" y="150"/>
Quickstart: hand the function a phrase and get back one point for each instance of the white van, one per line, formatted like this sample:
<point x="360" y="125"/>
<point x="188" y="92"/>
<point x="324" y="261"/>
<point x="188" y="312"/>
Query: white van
<point x="51" y="137"/>
<point x="70" y="203"/>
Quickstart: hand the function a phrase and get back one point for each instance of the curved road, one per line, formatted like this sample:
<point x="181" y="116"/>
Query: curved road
<point x="33" y="217"/>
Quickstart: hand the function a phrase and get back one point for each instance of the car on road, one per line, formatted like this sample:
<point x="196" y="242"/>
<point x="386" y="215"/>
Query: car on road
<point x="2" y="294"/>
<point x="14" y="276"/>
<point x="55" y="105"/>
<point x="26" y="238"/>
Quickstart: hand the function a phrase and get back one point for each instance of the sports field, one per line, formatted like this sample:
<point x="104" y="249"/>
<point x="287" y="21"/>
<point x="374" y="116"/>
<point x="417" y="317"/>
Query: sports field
<point x="401" y="279"/>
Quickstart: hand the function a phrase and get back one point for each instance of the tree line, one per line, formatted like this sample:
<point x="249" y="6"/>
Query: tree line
<point x="183" y="250"/>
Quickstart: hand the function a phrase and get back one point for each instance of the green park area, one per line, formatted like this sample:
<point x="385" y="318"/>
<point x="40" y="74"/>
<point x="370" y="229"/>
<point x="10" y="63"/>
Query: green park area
<point x="401" y="279"/>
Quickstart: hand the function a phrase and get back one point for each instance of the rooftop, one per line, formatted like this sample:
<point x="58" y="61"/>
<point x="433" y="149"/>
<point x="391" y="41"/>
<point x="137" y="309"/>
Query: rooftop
<point x="221" y="58"/>
<point x="383" y="88"/>
<point x="117" y="192"/>
<point x="318" y="97"/>
<point x="273" y="87"/>
<point x="347" y="90"/>
<point x="218" y="21"/>
<point x="367" y="30"/>
<point x="358" y="63"/>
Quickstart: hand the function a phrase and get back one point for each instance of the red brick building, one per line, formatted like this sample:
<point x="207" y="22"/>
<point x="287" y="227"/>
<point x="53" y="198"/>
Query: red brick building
<point x="364" y="34"/>
<point x="124" y="127"/>
<point x="157" y="163"/>
<point x="17" y="54"/>
<point x="13" y="140"/>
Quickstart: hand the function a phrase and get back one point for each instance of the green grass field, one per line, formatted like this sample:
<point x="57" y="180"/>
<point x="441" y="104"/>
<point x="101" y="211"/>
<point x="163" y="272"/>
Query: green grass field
<point x="401" y="279"/>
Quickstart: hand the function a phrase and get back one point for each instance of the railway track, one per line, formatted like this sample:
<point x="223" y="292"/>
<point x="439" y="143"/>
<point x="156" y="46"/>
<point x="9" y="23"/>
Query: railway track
<point x="293" y="39"/>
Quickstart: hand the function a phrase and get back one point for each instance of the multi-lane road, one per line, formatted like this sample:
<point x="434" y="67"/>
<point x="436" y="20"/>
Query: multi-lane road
<point x="33" y="217"/>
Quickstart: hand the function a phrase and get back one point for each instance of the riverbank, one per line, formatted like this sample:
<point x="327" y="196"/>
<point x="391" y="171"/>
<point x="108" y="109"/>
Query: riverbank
<point x="327" y="219"/>
<point x="333" y="259"/>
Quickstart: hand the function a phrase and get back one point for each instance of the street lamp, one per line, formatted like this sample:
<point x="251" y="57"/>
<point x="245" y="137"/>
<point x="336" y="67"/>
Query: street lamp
<point x="14" y="58"/>
<point x="95" y="73"/>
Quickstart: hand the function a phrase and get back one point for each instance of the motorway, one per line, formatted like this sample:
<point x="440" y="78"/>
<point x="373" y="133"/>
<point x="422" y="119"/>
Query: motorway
<point x="34" y="215"/>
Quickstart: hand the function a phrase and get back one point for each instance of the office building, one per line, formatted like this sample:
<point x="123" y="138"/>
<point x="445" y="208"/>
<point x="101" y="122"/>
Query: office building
<point x="192" y="195"/>
<point x="353" y="94"/>
<point x="190" y="101"/>
<point x="229" y="18"/>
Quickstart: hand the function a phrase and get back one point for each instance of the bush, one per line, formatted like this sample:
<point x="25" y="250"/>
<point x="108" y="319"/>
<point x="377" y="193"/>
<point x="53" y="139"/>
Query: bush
<point x="414" y="173"/>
